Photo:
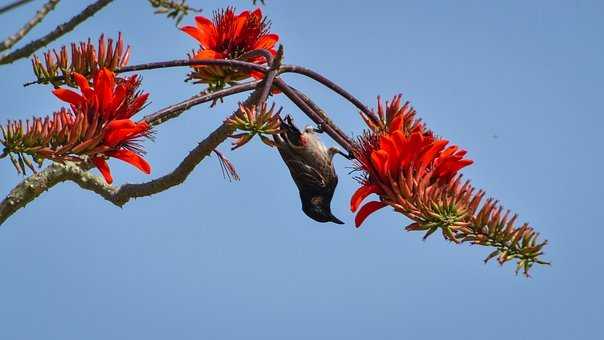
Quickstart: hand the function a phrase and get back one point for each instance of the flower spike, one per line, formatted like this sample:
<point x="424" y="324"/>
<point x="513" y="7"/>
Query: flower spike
<point x="416" y="173"/>
<point x="96" y="127"/>
<point x="253" y="121"/>
<point x="60" y="66"/>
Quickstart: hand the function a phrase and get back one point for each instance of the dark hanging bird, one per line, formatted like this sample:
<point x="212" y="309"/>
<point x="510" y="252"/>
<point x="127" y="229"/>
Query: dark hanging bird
<point x="311" y="167"/>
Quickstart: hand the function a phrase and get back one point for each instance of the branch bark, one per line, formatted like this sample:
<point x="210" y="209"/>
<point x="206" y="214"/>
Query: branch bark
<point x="40" y="15"/>
<point x="60" y="30"/>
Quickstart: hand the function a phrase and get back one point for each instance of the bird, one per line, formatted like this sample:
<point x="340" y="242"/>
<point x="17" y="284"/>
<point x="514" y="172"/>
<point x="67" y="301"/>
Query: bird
<point x="310" y="164"/>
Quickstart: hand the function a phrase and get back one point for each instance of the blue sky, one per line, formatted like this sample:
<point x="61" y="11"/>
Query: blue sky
<point x="518" y="84"/>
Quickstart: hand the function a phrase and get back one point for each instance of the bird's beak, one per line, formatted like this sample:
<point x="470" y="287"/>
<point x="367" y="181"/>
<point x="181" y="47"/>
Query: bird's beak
<point x="334" y="219"/>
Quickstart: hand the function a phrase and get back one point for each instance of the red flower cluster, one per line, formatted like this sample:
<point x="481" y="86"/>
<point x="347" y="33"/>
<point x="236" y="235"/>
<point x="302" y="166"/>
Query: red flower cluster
<point x="419" y="155"/>
<point x="400" y="146"/>
<point x="230" y="36"/>
<point x="109" y="104"/>
<point x="416" y="173"/>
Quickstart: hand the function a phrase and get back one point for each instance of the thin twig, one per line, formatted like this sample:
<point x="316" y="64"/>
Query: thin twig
<point x="193" y="62"/>
<point x="60" y="30"/>
<point x="13" y="5"/>
<point x="175" y="110"/>
<point x="331" y="85"/>
<point x="175" y="63"/>
<point x="260" y="52"/>
<point x="269" y="77"/>
<point x="324" y="117"/>
<point x="40" y="15"/>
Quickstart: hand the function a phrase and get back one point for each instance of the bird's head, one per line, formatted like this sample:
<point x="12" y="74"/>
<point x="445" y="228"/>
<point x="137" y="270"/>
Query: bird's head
<point x="318" y="208"/>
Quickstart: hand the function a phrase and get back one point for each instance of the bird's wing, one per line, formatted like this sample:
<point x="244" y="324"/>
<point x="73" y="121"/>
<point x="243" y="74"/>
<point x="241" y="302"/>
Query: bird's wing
<point x="303" y="173"/>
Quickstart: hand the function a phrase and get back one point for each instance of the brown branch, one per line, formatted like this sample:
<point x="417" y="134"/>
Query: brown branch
<point x="40" y="15"/>
<point x="269" y="77"/>
<point x="333" y="132"/>
<point x="326" y="121"/>
<point x="59" y="31"/>
<point x="13" y="5"/>
<point x="174" y="63"/>
<point x="331" y="85"/>
<point x="35" y="185"/>
<point x="175" y="110"/>
<point x="193" y="62"/>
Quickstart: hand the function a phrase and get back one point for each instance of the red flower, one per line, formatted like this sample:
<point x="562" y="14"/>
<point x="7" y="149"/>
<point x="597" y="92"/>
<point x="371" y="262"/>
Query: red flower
<point x="399" y="147"/>
<point x="416" y="173"/>
<point x="398" y="155"/>
<point x="109" y="104"/>
<point x="230" y="36"/>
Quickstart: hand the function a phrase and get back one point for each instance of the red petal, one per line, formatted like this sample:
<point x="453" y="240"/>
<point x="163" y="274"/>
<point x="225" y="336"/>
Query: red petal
<point x="367" y="210"/>
<point x="118" y="97"/>
<point x="257" y="13"/>
<point x="239" y="24"/>
<point x="361" y="194"/>
<point x="134" y="107"/>
<point x="208" y="54"/>
<point x="103" y="167"/>
<point x="432" y="153"/>
<point x="402" y="145"/>
<point x="267" y="41"/>
<point x="120" y="124"/>
<point x="394" y="162"/>
<point x="207" y="34"/>
<point x="118" y="131"/>
<point x="104" y="83"/>
<point x="197" y="35"/>
<point x="81" y="81"/>
<point x="379" y="159"/>
<point x="69" y="96"/>
<point x="257" y="75"/>
<point x="131" y="158"/>
<point x="90" y="95"/>
<point x="396" y="124"/>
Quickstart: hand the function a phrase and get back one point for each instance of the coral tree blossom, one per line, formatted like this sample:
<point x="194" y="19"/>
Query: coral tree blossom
<point x="107" y="107"/>
<point x="397" y="149"/>
<point x="230" y="36"/>
<point x="416" y="173"/>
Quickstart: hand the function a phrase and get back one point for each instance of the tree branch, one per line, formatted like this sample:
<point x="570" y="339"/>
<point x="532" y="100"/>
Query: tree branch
<point x="193" y="62"/>
<point x="60" y="30"/>
<point x="331" y="85"/>
<point x="326" y="120"/>
<point x="333" y="132"/>
<point x="175" y="63"/>
<point x="175" y="110"/>
<point x="13" y="5"/>
<point x="40" y="15"/>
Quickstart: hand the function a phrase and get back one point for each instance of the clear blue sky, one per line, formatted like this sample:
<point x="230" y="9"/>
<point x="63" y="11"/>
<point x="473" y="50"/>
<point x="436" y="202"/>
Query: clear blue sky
<point x="517" y="83"/>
